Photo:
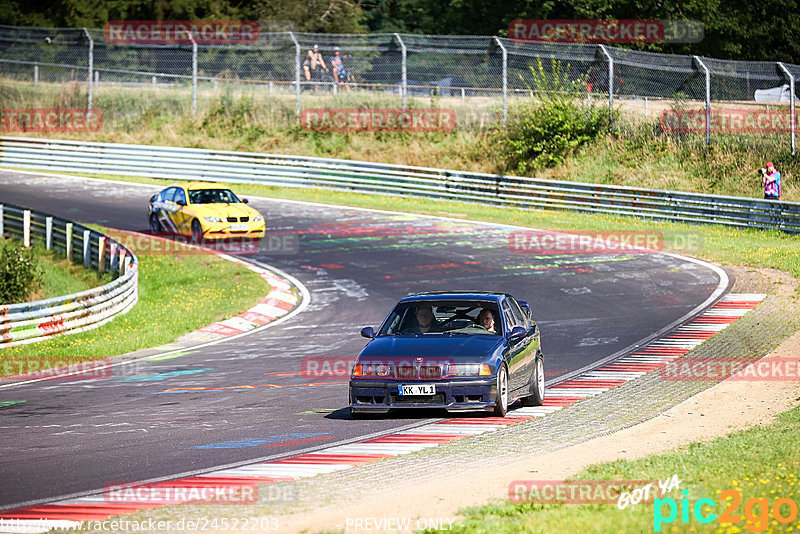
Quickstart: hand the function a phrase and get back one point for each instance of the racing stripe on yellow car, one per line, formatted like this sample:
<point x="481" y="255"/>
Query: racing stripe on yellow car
<point x="66" y="514"/>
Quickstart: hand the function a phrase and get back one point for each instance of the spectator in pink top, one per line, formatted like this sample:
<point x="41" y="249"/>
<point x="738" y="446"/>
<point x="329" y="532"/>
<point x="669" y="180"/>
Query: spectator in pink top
<point x="771" y="180"/>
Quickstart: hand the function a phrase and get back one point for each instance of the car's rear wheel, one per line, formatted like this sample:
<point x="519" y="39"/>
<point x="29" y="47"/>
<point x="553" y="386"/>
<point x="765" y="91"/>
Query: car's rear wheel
<point x="536" y="398"/>
<point x="501" y="399"/>
<point x="155" y="225"/>
<point x="197" y="231"/>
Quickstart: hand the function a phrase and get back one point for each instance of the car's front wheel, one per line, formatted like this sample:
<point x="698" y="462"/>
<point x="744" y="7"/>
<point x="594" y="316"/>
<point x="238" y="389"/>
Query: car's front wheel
<point x="501" y="399"/>
<point x="536" y="398"/>
<point x="155" y="225"/>
<point x="197" y="231"/>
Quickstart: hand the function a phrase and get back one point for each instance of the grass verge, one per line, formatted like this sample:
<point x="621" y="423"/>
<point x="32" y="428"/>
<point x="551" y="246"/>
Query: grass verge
<point x="177" y="294"/>
<point x="61" y="277"/>
<point x="761" y="463"/>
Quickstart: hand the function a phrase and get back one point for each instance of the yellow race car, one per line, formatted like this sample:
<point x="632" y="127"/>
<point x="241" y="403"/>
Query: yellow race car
<point x="204" y="211"/>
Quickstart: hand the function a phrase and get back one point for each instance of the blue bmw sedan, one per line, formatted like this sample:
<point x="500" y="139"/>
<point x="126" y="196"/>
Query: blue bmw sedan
<point x="461" y="351"/>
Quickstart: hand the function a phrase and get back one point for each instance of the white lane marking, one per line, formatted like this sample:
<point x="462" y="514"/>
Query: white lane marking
<point x="614" y="375"/>
<point x="450" y="429"/>
<point x="726" y="312"/>
<point x="380" y="448"/>
<point x="744" y="297"/>
<point x="696" y="327"/>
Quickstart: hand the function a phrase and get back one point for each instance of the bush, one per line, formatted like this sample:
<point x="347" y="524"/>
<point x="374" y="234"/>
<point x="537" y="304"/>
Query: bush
<point x="20" y="273"/>
<point x="543" y="132"/>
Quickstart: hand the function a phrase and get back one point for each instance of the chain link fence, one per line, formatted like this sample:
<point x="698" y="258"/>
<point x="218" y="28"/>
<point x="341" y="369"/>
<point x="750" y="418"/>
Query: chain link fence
<point x="477" y="76"/>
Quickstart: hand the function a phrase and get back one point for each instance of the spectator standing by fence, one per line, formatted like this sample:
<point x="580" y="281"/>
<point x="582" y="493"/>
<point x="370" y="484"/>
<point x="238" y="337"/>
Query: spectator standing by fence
<point x="771" y="180"/>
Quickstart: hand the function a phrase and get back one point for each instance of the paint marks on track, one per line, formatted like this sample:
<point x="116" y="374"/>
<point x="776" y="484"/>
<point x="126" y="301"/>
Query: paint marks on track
<point x="595" y="382"/>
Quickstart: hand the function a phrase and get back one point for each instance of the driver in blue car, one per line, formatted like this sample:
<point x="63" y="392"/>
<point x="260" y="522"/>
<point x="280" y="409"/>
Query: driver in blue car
<point x="425" y="320"/>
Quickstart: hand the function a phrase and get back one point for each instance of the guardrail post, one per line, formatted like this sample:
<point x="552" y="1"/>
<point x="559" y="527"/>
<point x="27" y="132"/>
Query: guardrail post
<point x="48" y="231"/>
<point x="610" y="85"/>
<point x="708" y="97"/>
<point x="35" y="75"/>
<point x="194" y="70"/>
<point x="297" y="88"/>
<point x="26" y="228"/>
<point x="87" y="248"/>
<point x="101" y="254"/>
<point x="403" y="71"/>
<point x="2" y="230"/>
<point x="122" y="262"/>
<point x="91" y="65"/>
<point x="505" y="79"/>
<point x="791" y="102"/>
<point x="68" y="234"/>
<point x="112" y="257"/>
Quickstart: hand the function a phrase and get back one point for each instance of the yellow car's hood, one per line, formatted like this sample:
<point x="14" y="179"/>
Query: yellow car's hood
<point x="224" y="210"/>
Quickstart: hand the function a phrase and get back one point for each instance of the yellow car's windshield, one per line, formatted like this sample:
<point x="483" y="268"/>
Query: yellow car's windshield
<point x="212" y="196"/>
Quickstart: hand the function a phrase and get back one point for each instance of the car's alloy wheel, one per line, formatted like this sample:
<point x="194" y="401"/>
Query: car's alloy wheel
<point x="501" y="400"/>
<point x="197" y="231"/>
<point x="155" y="225"/>
<point x="536" y="398"/>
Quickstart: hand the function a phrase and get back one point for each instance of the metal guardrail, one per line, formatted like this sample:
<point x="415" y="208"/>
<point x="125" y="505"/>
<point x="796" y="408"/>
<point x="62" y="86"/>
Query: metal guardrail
<point x="398" y="180"/>
<point x="30" y="322"/>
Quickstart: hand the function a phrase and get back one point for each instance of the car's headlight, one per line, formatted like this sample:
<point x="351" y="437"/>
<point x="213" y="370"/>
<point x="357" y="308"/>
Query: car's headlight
<point x="467" y="369"/>
<point x="212" y="219"/>
<point x="381" y="370"/>
<point x="257" y="218"/>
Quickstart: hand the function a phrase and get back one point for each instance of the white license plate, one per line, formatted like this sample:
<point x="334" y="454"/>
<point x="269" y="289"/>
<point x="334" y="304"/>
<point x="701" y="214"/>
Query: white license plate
<point x="238" y="227"/>
<point x="417" y="389"/>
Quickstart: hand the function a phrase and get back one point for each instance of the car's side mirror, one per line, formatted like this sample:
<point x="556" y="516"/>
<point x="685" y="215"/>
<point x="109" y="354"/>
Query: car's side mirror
<point x="517" y="332"/>
<point x="180" y="202"/>
<point x="245" y="201"/>
<point x="368" y="332"/>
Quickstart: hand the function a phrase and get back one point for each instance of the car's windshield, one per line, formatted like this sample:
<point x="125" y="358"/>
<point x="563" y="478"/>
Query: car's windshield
<point x="443" y="317"/>
<point x="212" y="196"/>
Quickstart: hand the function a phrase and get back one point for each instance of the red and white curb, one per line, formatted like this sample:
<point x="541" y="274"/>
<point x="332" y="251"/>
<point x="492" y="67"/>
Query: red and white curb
<point x="69" y="513"/>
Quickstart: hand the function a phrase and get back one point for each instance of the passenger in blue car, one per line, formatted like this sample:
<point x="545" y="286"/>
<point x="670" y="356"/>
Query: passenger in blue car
<point x="486" y="320"/>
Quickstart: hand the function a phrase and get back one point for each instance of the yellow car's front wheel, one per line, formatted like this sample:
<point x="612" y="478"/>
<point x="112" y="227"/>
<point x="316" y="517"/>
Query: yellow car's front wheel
<point x="197" y="231"/>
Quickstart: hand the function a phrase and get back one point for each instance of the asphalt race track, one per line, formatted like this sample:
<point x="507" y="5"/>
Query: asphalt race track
<point x="69" y="437"/>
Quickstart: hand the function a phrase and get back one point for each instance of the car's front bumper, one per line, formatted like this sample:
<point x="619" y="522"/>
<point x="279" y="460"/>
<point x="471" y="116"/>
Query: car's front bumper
<point x="377" y="396"/>
<point x="223" y="231"/>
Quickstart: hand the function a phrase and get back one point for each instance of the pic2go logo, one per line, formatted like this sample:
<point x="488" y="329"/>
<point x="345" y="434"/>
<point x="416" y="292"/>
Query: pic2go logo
<point x="756" y="511"/>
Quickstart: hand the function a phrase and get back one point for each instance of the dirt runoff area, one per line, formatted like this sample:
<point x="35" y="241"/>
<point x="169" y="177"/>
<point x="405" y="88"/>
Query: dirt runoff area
<point x="729" y="406"/>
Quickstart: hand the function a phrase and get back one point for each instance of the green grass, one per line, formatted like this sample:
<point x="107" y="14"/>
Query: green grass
<point x="765" y="460"/>
<point x="177" y="294"/>
<point x="60" y="277"/>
